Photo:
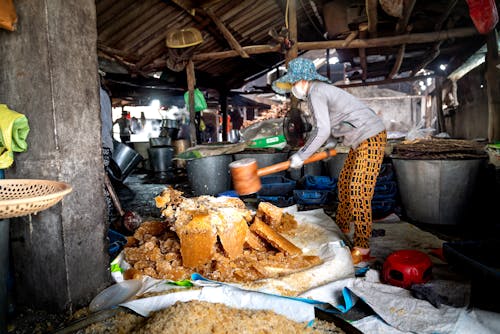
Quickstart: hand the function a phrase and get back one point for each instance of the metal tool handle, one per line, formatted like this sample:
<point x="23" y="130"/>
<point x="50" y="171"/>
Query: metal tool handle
<point x="286" y="164"/>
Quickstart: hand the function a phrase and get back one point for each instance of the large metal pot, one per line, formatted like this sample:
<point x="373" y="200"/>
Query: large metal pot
<point x="160" y="141"/>
<point x="123" y="161"/>
<point x="161" y="158"/>
<point x="437" y="191"/>
<point x="264" y="159"/>
<point x="209" y="175"/>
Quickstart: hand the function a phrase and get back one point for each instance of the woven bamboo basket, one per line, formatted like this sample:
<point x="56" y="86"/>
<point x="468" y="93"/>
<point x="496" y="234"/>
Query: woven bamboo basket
<point x="20" y="197"/>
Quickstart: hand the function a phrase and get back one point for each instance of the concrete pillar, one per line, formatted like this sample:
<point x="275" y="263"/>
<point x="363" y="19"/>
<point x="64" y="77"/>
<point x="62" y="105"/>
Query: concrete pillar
<point x="48" y="71"/>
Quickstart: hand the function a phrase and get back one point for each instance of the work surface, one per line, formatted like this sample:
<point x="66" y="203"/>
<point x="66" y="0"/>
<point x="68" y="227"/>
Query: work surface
<point x="390" y="309"/>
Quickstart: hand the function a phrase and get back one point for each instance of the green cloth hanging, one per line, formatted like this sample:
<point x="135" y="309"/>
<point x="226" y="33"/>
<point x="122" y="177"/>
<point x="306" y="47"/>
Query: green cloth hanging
<point x="14" y="129"/>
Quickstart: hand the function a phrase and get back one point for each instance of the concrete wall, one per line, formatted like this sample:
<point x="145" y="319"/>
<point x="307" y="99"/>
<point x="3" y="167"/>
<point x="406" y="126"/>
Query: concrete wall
<point x="48" y="71"/>
<point x="400" y="111"/>
<point x="470" y="120"/>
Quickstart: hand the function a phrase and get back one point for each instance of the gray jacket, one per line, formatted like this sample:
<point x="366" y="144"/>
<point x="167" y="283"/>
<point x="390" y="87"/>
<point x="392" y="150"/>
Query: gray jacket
<point x="338" y="114"/>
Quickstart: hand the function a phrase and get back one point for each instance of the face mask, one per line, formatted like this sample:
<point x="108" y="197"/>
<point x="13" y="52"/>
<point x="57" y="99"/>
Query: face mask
<point x="299" y="92"/>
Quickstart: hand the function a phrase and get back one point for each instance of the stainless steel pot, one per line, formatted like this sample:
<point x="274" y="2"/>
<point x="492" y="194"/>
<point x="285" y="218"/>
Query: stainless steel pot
<point x="161" y="158"/>
<point x="160" y="141"/>
<point x="264" y="159"/>
<point x="209" y="175"/>
<point x="437" y="191"/>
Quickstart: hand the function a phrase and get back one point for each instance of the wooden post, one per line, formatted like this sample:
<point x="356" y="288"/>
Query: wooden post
<point x="294" y="50"/>
<point x="371" y="13"/>
<point x="223" y="109"/>
<point x="439" y="105"/>
<point x="194" y="126"/>
<point x="362" y="51"/>
<point x="328" y="74"/>
<point x="493" y="87"/>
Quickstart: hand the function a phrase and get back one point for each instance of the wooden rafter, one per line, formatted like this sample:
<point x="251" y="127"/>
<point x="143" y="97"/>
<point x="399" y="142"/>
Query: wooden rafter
<point x="416" y="38"/>
<point x="352" y="35"/>
<point x="435" y="51"/>
<point x="401" y="27"/>
<point x="227" y="34"/>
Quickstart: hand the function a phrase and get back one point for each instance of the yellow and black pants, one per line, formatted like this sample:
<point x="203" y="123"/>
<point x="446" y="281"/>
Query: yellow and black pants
<point x="356" y="186"/>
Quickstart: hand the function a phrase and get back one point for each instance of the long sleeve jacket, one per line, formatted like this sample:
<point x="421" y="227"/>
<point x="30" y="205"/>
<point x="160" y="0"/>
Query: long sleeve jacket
<point x="338" y="114"/>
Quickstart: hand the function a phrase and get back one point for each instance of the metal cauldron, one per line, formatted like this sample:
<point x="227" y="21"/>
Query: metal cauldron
<point x="437" y="191"/>
<point x="160" y="141"/>
<point x="123" y="161"/>
<point x="264" y="159"/>
<point x="161" y="158"/>
<point x="209" y="175"/>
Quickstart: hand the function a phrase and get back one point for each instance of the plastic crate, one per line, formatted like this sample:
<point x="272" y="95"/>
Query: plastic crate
<point x="229" y="193"/>
<point x="385" y="190"/>
<point x="313" y="182"/>
<point x="275" y="186"/>
<point x="386" y="173"/>
<point x="279" y="201"/>
<point x="116" y="242"/>
<point x="310" y="197"/>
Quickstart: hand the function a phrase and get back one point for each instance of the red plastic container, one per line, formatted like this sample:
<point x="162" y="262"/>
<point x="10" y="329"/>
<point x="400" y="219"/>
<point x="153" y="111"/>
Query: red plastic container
<point x="406" y="267"/>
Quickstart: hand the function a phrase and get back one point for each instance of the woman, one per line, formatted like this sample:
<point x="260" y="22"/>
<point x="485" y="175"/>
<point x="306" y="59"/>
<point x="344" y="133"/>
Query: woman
<point x="339" y="116"/>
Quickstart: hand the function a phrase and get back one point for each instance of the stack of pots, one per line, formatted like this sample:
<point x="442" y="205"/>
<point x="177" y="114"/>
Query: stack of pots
<point x="161" y="154"/>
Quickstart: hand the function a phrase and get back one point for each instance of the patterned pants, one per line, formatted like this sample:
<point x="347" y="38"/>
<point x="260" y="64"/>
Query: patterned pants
<point x="356" y="187"/>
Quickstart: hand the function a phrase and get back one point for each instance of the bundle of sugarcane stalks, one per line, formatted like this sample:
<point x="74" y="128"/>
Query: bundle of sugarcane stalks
<point x="439" y="149"/>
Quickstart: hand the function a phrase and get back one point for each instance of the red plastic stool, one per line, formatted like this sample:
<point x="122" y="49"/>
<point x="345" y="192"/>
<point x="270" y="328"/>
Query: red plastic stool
<point x="406" y="267"/>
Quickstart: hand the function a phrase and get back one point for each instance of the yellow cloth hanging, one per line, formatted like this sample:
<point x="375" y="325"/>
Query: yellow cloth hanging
<point x="14" y="130"/>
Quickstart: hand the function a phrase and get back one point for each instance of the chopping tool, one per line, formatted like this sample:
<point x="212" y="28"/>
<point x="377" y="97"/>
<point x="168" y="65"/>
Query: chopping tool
<point x="246" y="174"/>
<point x="131" y="220"/>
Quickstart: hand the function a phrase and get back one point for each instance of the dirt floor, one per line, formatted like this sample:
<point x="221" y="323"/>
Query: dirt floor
<point x="137" y="194"/>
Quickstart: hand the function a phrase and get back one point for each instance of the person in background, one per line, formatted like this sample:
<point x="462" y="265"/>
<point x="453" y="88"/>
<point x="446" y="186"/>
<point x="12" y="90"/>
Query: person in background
<point x="125" y="129"/>
<point x="339" y="116"/>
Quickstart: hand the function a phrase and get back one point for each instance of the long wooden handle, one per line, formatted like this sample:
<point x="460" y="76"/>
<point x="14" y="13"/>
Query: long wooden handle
<point x="113" y="195"/>
<point x="286" y="164"/>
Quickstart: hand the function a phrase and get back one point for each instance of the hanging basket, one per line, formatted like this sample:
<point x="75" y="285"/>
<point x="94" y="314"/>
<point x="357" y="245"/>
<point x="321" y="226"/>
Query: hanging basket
<point x="20" y="197"/>
<point x="183" y="38"/>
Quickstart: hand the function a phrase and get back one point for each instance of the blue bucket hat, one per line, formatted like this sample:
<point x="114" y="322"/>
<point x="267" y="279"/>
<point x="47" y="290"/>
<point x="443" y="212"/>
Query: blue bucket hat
<point x="298" y="69"/>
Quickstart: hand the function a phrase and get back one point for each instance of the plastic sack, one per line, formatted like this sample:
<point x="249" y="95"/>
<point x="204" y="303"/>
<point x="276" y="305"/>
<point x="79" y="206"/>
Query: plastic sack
<point x="199" y="100"/>
<point x="8" y="17"/>
<point x="484" y="14"/>
<point x="419" y="132"/>
<point x="14" y="130"/>
<point x="265" y="134"/>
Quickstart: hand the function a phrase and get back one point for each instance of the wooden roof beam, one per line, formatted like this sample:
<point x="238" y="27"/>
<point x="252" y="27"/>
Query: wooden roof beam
<point x="401" y="27"/>
<point x="227" y="34"/>
<point x="355" y="44"/>
<point x="435" y="51"/>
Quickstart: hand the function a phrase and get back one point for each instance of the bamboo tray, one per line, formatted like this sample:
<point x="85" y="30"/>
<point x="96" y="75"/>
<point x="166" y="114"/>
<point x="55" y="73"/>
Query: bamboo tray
<point x="20" y="197"/>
